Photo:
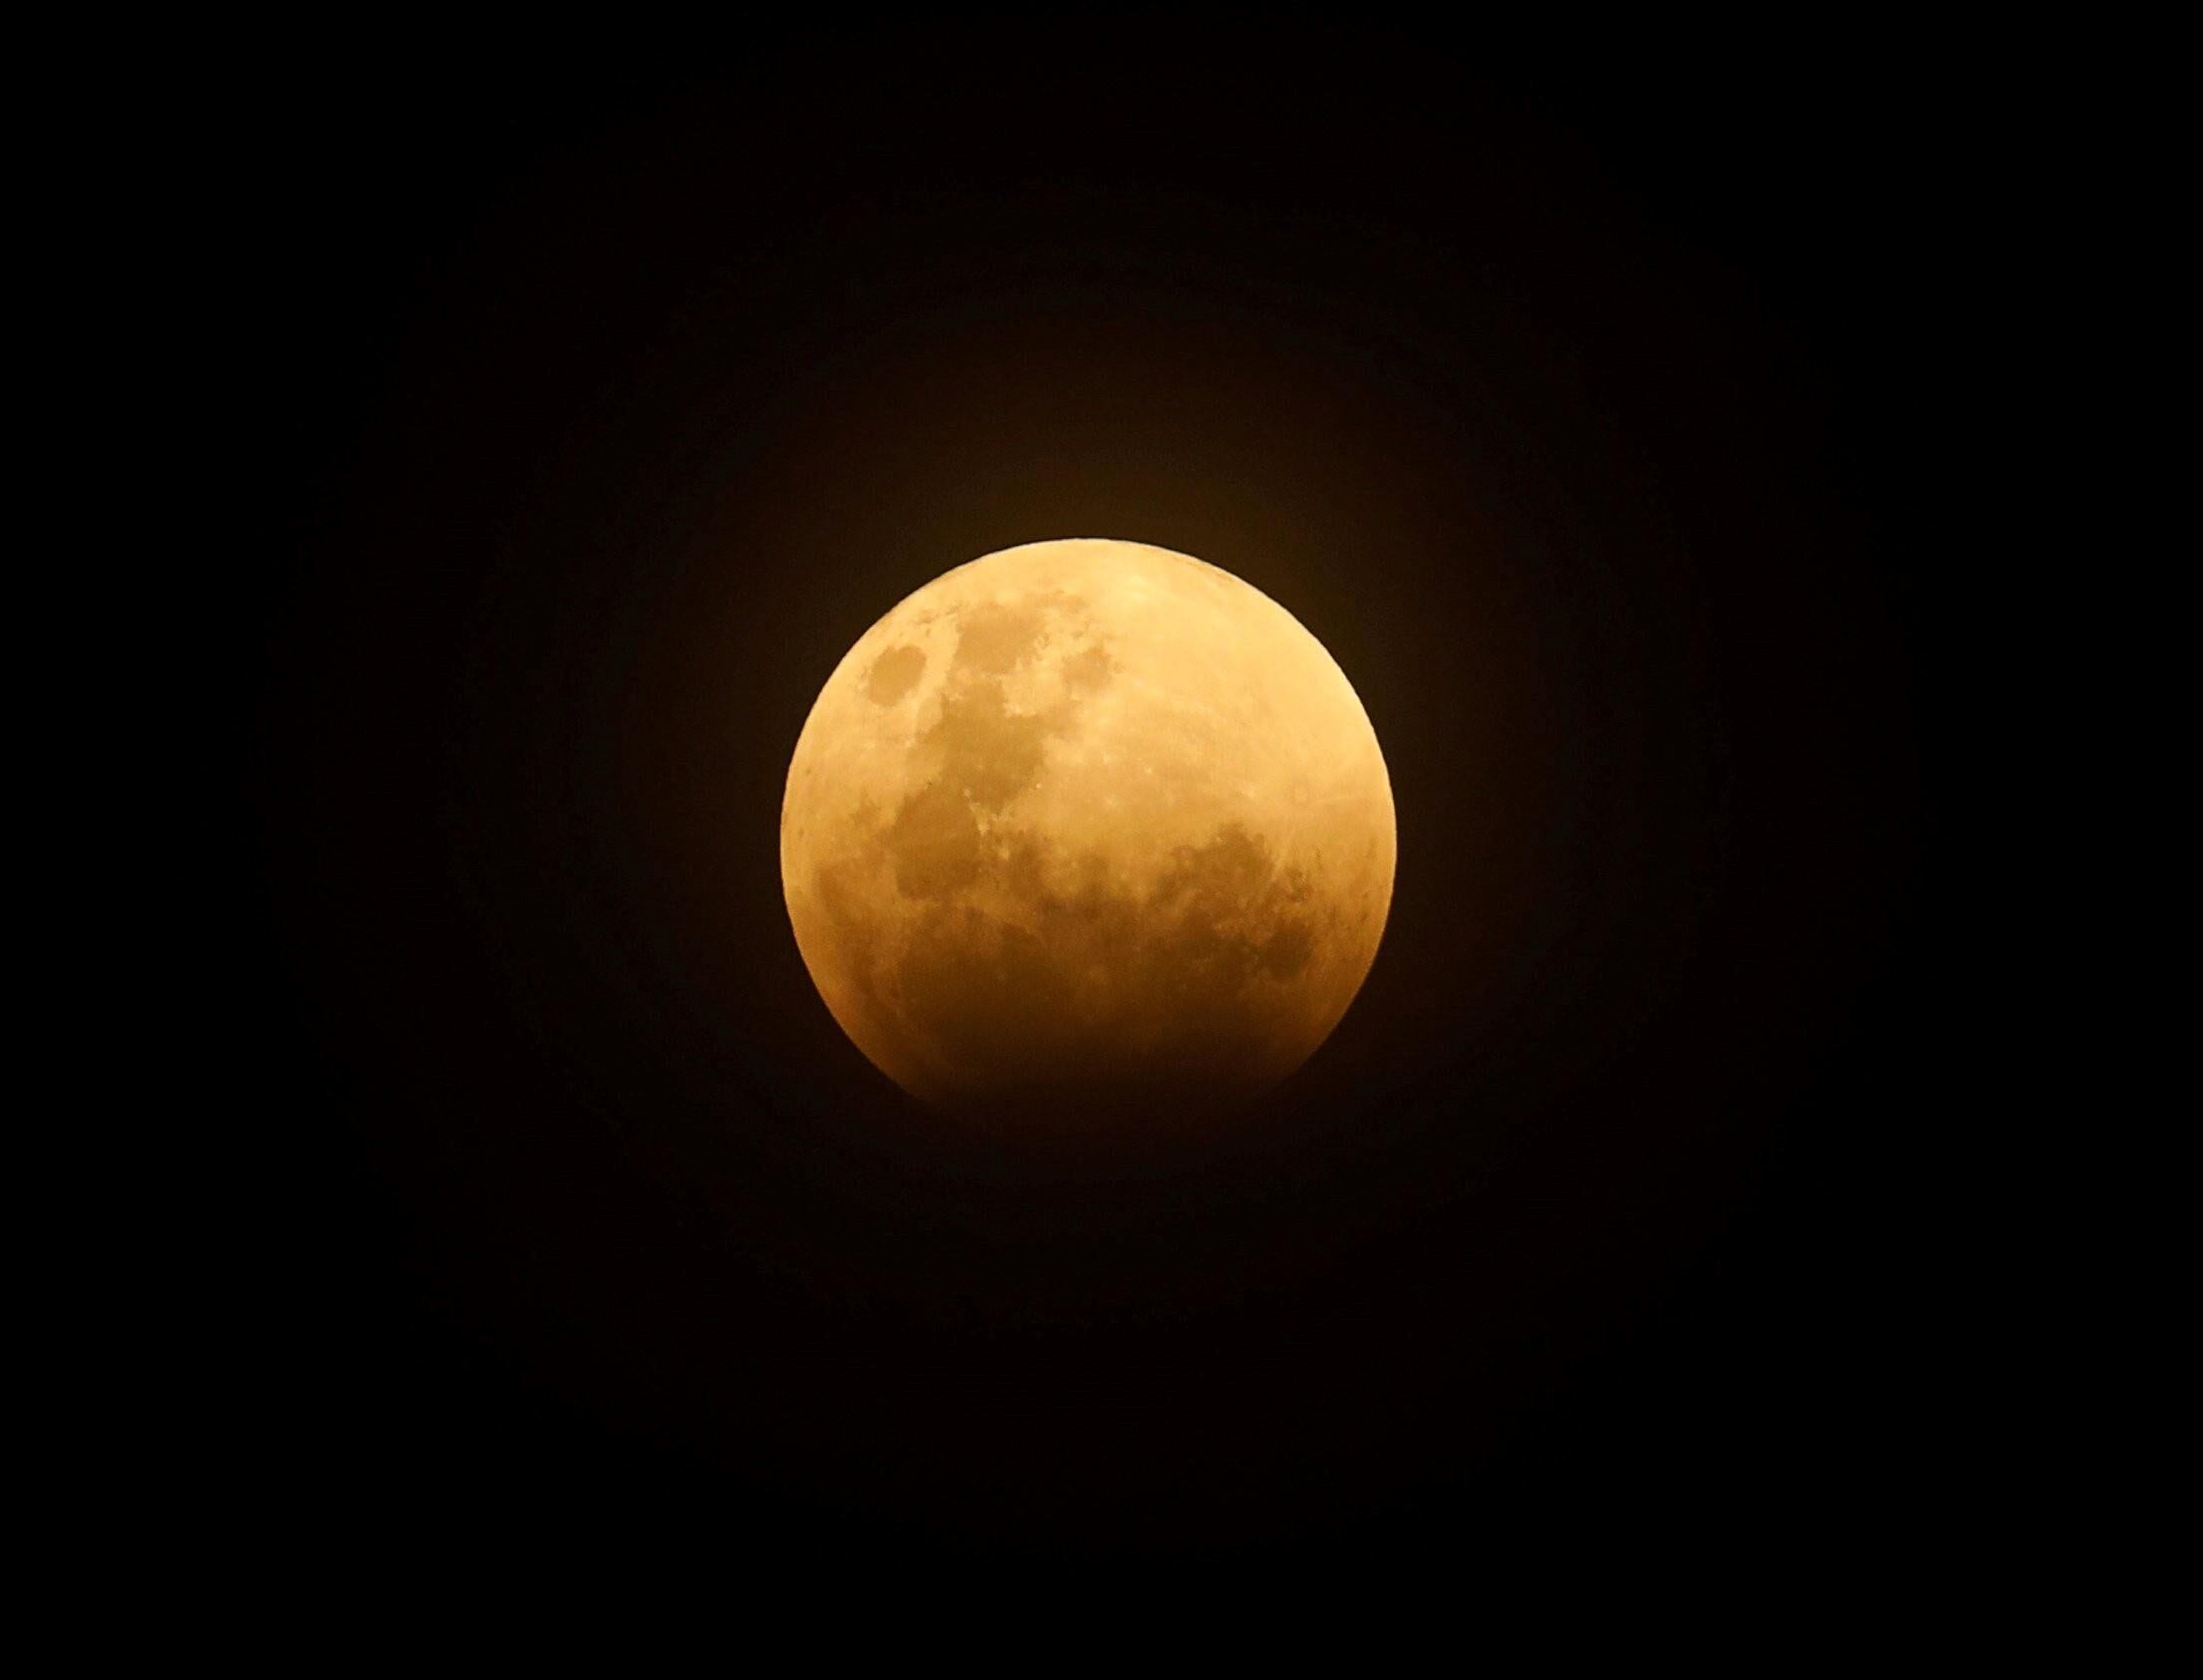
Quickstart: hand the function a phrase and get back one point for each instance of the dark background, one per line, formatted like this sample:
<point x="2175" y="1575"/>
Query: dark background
<point x="1581" y="400"/>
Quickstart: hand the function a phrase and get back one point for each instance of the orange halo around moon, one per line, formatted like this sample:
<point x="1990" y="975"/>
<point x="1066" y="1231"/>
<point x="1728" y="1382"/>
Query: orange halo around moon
<point x="1087" y="825"/>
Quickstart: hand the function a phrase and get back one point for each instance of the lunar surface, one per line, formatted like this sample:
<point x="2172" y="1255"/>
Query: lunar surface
<point x="1087" y="826"/>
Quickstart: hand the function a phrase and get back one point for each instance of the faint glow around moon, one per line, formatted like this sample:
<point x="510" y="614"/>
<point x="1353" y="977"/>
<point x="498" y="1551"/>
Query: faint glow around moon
<point x="1087" y="825"/>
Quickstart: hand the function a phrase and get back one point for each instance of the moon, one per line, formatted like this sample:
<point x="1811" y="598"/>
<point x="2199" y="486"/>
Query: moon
<point x="1087" y="827"/>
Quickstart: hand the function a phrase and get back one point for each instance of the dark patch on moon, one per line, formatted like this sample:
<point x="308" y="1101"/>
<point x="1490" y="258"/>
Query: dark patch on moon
<point x="989" y="754"/>
<point x="934" y="842"/>
<point x="1232" y="908"/>
<point x="1288" y="951"/>
<point x="1089" y="668"/>
<point x="995" y="638"/>
<point x="894" y="674"/>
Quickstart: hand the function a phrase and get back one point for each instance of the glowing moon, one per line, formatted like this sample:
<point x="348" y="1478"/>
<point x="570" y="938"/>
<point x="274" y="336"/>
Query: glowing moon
<point x="1087" y="824"/>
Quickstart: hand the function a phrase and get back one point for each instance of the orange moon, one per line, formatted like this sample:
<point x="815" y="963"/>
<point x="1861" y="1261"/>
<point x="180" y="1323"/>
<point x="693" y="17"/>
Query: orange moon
<point x="1087" y="826"/>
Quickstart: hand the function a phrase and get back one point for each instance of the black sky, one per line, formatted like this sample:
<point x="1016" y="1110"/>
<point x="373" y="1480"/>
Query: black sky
<point x="1581" y="406"/>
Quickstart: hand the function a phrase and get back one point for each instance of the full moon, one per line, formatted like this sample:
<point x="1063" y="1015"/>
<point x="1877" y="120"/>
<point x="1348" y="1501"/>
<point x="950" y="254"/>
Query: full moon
<point x="1087" y="827"/>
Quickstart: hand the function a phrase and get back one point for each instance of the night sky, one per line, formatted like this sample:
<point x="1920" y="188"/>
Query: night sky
<point x="606" y="393"/>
